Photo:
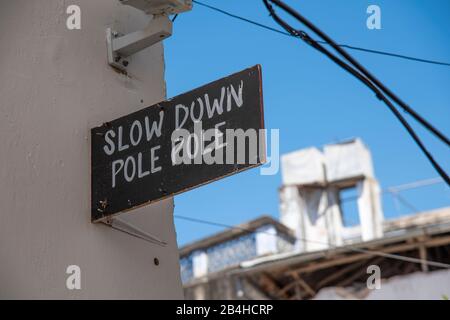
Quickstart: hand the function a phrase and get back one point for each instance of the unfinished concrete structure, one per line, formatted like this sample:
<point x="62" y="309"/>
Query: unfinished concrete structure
<point x="310" y="201"/>
<point x="326" y="258"/>
<point x="341" y="273"/>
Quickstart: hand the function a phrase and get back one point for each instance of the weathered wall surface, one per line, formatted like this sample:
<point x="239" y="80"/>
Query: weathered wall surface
<point x="417" y="286"/>
<point x="55" y="85"/>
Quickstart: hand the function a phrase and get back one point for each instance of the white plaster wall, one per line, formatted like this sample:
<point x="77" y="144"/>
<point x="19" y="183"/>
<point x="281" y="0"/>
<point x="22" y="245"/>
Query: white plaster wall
<point x="266" y="240"/>
<point x="348" y="160"/>
<point x="306" y="211"/>
<point x="55" y="85"/>
<point x="432" y="286"/>
<point x="417" y="286"/>
<point x="370" y="210"/>
<point x="291" y="206"/>
<point x="315" y="219"/>
<point x="306" y="166"/>
<point x="200" y="264"/>
<point x="334" y="218"/>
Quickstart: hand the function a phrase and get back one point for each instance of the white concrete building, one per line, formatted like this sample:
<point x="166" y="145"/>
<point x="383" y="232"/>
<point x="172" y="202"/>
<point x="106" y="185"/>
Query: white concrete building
<point x="326" y="255"/>
<point x="310" y="197"/>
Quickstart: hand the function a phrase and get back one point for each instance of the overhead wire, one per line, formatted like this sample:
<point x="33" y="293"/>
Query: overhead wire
<point x="373" y="51"/>
<point x="369" y="80"/>
<point x="407" y="108"/>
<point x="357" y="65"/>
<point x="359" y="250"/>
<point x="360" y="76"/>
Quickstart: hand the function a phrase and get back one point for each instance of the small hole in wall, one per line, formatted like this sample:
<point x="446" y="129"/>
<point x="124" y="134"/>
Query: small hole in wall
<point x="156" y="261"/>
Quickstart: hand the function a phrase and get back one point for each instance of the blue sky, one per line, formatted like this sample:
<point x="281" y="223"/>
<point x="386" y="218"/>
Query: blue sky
<point x="314" y="102"/>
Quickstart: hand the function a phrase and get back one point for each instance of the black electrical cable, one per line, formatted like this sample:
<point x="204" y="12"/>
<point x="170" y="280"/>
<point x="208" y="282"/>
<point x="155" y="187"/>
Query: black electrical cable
<point x="395" y="98"/>
<point x="241" y="18"/>
<point x="412" y="112"/>
<point x="389" y="54"/>
<point x="306" y="38"/>
<point x="358" y="66"/>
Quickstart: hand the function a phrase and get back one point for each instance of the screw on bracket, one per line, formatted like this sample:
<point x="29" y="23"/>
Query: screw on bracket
<point x="164" y="192"/>
<point x="103" y="205"/>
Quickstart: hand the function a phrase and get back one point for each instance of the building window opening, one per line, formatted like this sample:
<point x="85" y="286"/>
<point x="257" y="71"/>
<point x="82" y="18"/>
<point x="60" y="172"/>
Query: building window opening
<point x="348" y="199"/>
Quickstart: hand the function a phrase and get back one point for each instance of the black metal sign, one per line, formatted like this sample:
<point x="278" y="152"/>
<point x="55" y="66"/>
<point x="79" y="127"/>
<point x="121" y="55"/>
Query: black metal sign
<point x="179" y="144"/>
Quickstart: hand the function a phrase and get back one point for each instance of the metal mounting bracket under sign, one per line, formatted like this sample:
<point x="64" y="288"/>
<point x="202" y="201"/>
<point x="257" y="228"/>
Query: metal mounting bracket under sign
<point x="120" y="225"/>
<point x="120" y="46"/>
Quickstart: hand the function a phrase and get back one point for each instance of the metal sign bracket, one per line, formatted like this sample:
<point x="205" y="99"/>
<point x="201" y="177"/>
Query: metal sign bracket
<point x="120" y="47"/>
<point x="120" y="225"/>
